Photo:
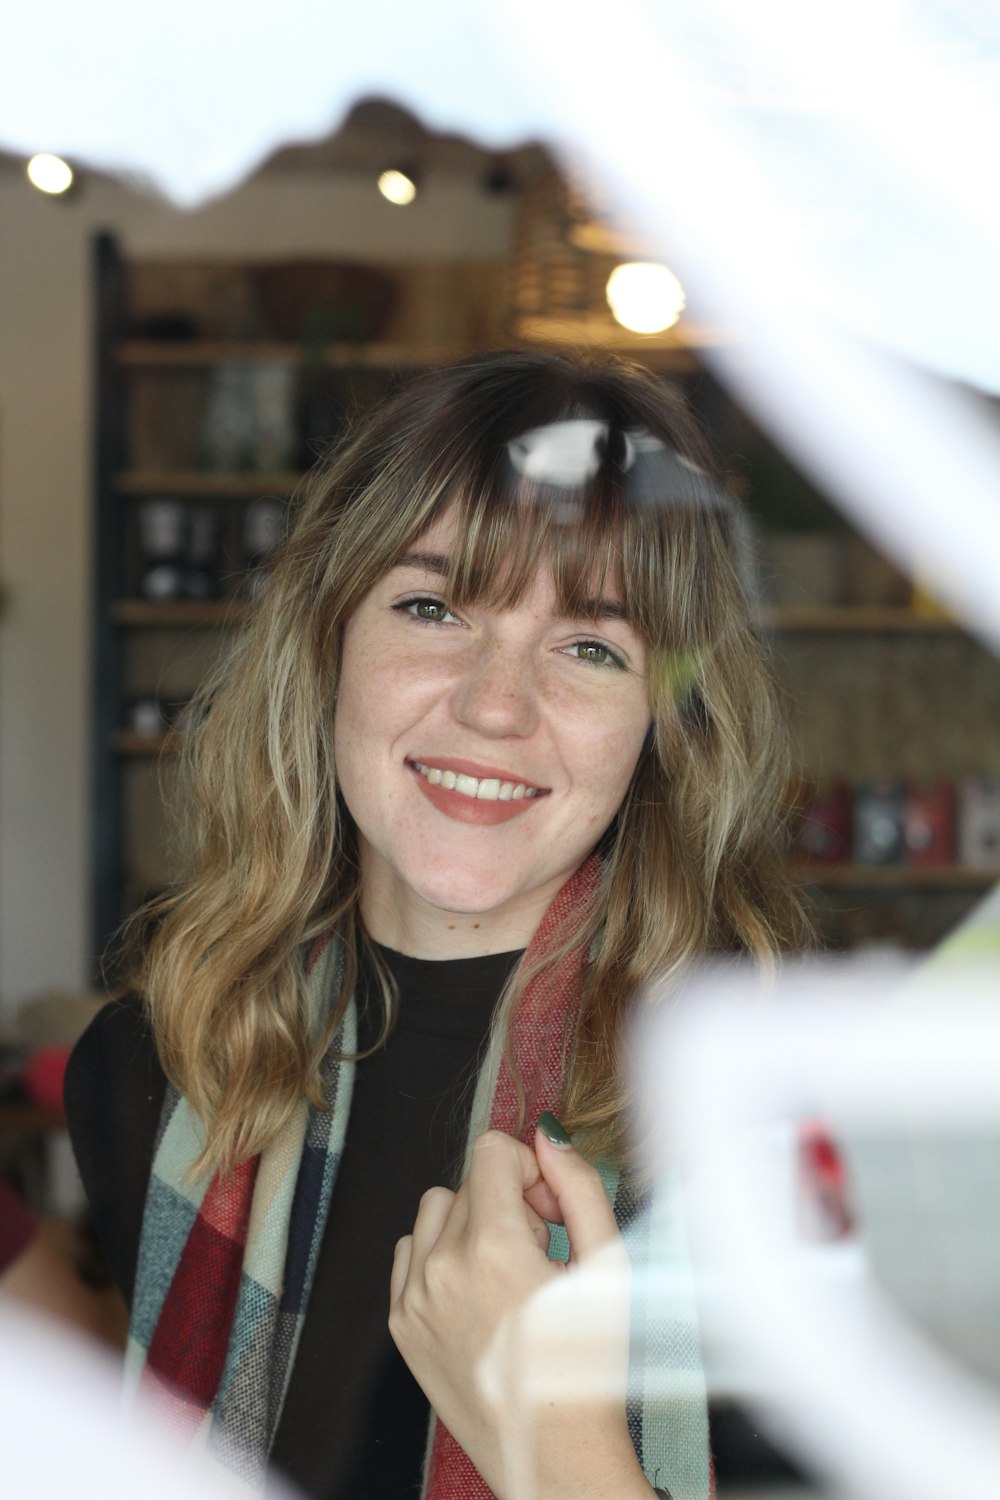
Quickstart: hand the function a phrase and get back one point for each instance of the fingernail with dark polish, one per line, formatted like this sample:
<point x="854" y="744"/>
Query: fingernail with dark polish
<point x="552" y="1130"/>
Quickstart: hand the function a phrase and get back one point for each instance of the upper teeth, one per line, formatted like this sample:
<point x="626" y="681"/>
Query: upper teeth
<point x="488" y="789"/>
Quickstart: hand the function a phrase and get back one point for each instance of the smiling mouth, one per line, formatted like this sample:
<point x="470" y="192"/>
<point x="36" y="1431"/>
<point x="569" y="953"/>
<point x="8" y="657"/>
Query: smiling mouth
<point x="477" y="788"/>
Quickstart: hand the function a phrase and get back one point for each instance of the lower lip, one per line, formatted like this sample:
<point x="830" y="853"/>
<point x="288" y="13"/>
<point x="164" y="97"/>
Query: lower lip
<point x="470" y="809"/>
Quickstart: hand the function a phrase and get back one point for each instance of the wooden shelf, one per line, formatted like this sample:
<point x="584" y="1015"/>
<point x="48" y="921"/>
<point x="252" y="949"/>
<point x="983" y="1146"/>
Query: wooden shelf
<point x="899" y="877"/>
<point x="202" y="353"/>
<point x="847" y="619"/>
<point x="127" y="742"/>
<point x="244" y="486"/>
<point x="178" y="613"/>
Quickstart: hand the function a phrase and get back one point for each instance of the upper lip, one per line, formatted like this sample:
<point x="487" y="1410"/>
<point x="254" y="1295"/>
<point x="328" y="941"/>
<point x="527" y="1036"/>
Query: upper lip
<point x="474" y="768"/>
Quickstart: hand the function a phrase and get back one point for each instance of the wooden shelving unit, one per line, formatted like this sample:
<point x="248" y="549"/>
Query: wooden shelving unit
<point x="127" y="742"/>
<point x="152" y="397"/>
<point x="204" y="354"/>
<point x="854" y="619"/>
<point x="134" y="373"/>
<point x="895" y="877"/>
<point x="185" y="483"/>
<point x="179" y="614"/>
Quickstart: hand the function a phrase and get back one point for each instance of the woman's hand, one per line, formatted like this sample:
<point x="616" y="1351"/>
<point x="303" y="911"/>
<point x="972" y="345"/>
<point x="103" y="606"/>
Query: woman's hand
<point x="523" y="1359"/>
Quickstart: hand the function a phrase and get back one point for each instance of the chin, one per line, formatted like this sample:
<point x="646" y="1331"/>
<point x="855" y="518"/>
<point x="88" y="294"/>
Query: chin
<point x="463" y="900"/>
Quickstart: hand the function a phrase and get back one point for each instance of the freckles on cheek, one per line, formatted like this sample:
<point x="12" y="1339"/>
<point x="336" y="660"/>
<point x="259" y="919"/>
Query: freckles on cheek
<point x="611" y="760"/>
<point x="617" y="750"/>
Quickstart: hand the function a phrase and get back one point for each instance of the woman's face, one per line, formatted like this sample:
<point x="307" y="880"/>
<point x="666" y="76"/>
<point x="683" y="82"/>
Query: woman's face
<point x="481" y="755"/>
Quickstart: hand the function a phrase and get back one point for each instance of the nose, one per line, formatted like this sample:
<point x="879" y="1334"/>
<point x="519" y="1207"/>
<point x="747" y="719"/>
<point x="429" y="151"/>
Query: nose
<point x="496" y="694"/>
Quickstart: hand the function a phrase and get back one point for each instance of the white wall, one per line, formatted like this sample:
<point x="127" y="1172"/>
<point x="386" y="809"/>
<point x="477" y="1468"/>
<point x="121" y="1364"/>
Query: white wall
<point x="46" y="495"/>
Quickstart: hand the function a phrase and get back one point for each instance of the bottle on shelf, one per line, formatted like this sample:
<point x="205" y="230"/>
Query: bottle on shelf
<point x="229" y="433"/>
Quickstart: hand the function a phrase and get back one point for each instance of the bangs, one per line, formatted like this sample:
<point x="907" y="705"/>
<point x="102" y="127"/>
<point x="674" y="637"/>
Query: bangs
<point x="598" y="546"/>
<point x="506" y="531"/>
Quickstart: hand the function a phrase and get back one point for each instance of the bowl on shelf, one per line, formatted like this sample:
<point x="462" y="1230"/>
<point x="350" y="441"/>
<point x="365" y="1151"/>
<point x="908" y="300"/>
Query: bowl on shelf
<point x="319" y="302"/>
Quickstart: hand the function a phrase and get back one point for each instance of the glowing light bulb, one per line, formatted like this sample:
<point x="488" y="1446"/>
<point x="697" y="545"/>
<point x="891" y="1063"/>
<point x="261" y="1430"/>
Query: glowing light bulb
<point x="645" y="297"/>
<point x="50" y="174"/>
<point x="397" y="187"/>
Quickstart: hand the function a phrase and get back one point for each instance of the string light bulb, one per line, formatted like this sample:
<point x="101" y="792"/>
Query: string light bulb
<point x="644" y="296"/>
<point x="50" y="174"/>
<point x="398" y="187"/>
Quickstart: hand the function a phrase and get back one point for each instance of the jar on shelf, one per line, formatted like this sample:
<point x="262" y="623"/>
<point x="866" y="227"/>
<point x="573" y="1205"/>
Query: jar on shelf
<point x="163" y="548"/>
<point x="275" y="429"/>
<point x="229" y="433"/>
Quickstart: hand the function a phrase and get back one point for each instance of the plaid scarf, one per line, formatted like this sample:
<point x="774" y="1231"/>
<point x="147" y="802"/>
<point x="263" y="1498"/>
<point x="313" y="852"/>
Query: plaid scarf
<point x="226" y="1264"/>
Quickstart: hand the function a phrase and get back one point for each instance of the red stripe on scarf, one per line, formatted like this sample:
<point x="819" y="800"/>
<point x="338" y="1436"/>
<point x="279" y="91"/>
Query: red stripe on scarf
<point x="547" y="1014"/>
<point x="188" y="1350"/>
<point x="546" y="1017"/>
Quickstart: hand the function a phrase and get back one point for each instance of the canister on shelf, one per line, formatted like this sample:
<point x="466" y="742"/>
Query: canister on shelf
<point x="822" y="822"/>
<point x="879" y="812"/>
<point x="979" y="822"/>
<point x="929" y="823"/>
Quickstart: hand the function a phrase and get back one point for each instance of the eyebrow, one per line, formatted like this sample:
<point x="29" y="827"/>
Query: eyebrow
<point x="431" y="562"/>
<point x="436" y="562"/>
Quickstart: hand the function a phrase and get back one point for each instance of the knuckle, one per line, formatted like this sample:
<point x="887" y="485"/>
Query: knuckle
<point x="491" y="1140"/>
<point x="437" y="1277"/>
<point x="434" y="1196"/>
<point x="489" y="1253"/>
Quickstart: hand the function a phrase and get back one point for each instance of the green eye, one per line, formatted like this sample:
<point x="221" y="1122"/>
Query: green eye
<point x="597" y="654"/>
<point x="426" y="608"/>
<point x="429" y="609"/>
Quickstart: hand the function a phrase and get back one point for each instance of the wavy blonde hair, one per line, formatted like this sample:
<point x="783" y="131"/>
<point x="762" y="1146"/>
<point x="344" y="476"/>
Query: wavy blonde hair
<point x="694" y="862"/>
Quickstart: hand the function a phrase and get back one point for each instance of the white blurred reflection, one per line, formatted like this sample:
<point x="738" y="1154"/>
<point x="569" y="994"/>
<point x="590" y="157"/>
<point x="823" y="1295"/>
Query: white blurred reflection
<point x="874" y="1357"/>
<point x="63" y="1434"/>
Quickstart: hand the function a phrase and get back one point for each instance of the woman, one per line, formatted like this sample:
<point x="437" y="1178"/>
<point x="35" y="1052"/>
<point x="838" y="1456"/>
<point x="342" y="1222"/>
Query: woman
<point x="497" y="750"/>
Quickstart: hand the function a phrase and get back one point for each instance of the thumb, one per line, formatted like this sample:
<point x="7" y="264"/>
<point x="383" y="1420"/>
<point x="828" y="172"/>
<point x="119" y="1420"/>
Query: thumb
<point x="577" y="1189"/>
